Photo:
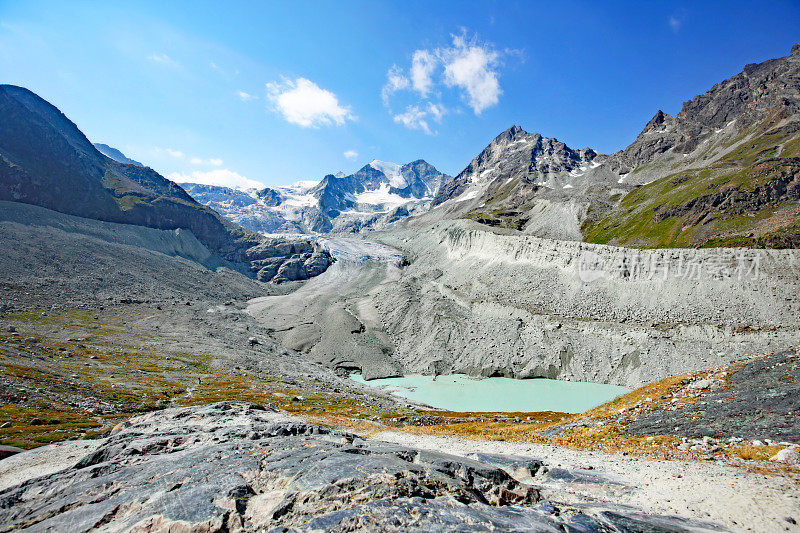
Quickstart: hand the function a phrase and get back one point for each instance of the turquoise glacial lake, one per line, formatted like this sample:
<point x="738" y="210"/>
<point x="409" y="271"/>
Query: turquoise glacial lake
<point x="462" y="393"/>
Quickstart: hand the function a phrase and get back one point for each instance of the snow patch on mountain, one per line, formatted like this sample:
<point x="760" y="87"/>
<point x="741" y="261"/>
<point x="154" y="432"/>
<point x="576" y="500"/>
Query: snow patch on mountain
<point x="391" y="171"/>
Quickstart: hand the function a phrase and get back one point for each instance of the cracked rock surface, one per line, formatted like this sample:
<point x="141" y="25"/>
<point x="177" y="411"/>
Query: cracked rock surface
<point x="244" y="467"/>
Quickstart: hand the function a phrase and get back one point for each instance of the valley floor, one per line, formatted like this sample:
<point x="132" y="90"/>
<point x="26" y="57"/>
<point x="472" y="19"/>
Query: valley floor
<point x="104" y="331"/>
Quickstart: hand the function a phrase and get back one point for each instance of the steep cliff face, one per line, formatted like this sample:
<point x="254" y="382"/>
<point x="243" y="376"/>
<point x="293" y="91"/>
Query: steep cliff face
<point x="45" y="160"/>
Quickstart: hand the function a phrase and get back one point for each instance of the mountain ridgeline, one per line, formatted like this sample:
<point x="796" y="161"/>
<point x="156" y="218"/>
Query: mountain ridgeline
<point x="115" y="154"/>
<point x="725" y="171"/>
<point x="45" y="160"/>
<point x="374" y="197"/>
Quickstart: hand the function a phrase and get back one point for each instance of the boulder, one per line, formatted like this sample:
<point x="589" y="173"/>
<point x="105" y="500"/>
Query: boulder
<point x="788" y="456"/>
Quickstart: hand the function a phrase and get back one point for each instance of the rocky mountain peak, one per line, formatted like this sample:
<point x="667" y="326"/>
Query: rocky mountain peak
<point x="509" y="135"/>
<point x="761" y="94"/>
<point x="659" y="119"/>
<point x="516" y="154"/>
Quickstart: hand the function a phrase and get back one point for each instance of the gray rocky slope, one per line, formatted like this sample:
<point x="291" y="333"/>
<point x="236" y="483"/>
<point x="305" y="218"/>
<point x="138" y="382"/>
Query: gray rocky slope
<point x="457" y="297"/>
<point x="582" y="312"/>
<point x="243" y="467"/>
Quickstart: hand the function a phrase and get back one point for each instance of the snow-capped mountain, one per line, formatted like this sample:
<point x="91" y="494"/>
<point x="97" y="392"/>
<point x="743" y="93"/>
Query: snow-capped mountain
<point x="516" y="155"/>
<point x="376" y="195"/>
<point x="525" y="181"/>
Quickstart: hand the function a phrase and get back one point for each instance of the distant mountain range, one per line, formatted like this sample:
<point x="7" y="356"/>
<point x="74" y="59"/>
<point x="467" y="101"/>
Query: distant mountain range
<point x="45" y="160"/>
<point x="375" y="196"/>
<point x="725" y="171"/>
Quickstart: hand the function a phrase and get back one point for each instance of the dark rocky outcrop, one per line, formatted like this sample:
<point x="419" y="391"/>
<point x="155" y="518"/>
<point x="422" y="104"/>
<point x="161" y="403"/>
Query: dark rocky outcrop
<point x="243" y="467"/>
<point x="758" y="401"/>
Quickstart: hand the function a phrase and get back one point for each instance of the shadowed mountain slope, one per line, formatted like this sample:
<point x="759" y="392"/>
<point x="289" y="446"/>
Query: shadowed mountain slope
<point x="46" y="160"/>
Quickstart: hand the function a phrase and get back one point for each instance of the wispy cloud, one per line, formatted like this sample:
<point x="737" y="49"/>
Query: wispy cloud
<point x="473" y="68"/>
<point x="352" y="155"/>
<point x="163" y="59"/>
<point x="214" y="162"/>
<point x="304" y="103"/>
<point x="422" y="65"/>
<point x="222" y="177"/>
<point x="675" y="23"/>
<point x="245" y="97"/>
<point x="395" y="81"/>
<point x="469" y="67"/>
<point x="177" y="154"/>
<point x="418" y="117"/>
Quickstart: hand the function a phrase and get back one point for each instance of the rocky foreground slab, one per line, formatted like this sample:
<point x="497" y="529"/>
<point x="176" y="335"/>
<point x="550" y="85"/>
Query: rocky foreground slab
<point x="245" y="467"/>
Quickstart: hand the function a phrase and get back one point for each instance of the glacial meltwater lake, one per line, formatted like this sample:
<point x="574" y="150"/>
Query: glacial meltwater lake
<point x="462" y="393"/>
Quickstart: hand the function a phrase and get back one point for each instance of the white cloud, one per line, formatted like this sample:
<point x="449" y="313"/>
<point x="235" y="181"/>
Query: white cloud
<point x="164" y="59"/>
<point x="468" y="67"/>
<point x="472" y="68"/>
<point x="436" y="111"/>
<point x="352" y="155"/>
<point x="675" y="23"/>
<point x="304" y="103"/>
<point x="177" y="154"/>
<point x="395" y="81"/>
<point x="422" y="66"/>
<point x="417" y="117"/>
<point x="214" y="162"/>
<point x="221" y="176"/>
<point x="245" y="97"/>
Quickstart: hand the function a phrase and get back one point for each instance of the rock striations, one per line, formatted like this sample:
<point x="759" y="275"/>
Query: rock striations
<point x="244" y="467"/>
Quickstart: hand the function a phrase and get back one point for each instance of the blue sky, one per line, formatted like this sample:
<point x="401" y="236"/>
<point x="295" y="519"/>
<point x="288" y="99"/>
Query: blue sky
<point x="272" y="92"/>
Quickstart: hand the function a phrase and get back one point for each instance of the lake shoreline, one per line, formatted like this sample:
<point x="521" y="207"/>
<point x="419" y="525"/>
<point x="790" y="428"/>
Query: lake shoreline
<point x="462" y="393"/>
